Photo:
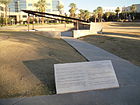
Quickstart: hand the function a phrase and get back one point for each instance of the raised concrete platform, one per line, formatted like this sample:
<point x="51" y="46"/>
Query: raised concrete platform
<point x="84" y="76"/>
<point x="95" y="28"/>
<point x="128" y="76"/>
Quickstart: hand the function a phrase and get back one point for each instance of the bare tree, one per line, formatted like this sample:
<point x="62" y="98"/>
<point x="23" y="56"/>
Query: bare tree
<point x="60" y="8"/>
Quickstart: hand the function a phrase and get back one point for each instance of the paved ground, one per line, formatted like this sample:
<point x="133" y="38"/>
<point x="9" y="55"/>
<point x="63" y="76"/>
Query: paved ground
<point x="128" y="76"/>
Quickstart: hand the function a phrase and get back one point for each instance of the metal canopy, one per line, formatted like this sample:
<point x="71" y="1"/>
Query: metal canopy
<point x="43" y="14"/>
<point x="52" y="18"/>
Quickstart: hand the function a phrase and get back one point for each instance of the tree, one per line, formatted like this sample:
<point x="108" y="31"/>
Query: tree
<point x="133" y="9"/>
<point x="107" y="14"/>
<point x="72" y="5"/>
<point x="100" y="13"/>
<point x="72" y="10"/>
<point x="60" y="7"/>
<point x="5" y="2"/>
<point x="117" y="11"/>
<point x="81" y="14"/>
<point x="86" y="15"/>
<point x="41" y="7"/>
<point x="95" y="15"/>
<point x="1" y="21"/>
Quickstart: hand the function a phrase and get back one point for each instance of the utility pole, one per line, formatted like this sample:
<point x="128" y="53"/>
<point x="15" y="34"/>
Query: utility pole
<point x="77" y="25"/>
<point x="33" y="23"/>
<point x="28" y="20"/>
<point x="9" y="16"/>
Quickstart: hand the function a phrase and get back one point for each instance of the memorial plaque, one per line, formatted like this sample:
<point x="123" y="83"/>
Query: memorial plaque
<point x="83" y="76"/>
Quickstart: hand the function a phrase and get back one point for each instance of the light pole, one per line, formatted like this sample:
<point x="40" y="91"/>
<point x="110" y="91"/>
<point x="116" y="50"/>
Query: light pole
<point x="9" y="12"/>
<point x="33" y="23"/>
<point x="9" y="16"/>
<point x="28" y="20"/>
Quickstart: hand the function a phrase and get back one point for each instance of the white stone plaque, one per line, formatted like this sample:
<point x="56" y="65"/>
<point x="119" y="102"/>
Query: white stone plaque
<point x="83" y="76"/>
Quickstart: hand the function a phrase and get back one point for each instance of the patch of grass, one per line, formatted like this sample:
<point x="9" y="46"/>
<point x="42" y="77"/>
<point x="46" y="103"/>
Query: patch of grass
<point x="102" y="41"/>
<point x="128" y="49"/>
<point x="27" y="63"/>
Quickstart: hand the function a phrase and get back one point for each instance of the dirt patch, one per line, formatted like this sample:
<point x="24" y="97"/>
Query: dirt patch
<point x="122" y="42"/>
<point x="26" y="63"/>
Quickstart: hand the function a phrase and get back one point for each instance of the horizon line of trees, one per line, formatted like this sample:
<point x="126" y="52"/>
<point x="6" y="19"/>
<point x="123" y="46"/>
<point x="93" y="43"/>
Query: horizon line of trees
<point x="99" y="15"/>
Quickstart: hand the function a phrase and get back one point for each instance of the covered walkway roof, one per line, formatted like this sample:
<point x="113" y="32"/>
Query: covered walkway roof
<point x="53" y="16"/>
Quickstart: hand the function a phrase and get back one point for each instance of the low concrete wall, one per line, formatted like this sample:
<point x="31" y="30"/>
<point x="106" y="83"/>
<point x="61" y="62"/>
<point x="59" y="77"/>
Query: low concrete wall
<point x="94" y="29"/>
<point x="80" y="33"/>
<point x="52" y="34"/>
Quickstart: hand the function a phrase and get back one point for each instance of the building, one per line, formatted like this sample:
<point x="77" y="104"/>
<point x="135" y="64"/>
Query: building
<point x="137" y="8"/>
<point x="111" y="9"/>
<point x="55" y="4"/>
<point x="128" y="8"/>
<point x="16" y="6"/>
<point x="2" y="10"/>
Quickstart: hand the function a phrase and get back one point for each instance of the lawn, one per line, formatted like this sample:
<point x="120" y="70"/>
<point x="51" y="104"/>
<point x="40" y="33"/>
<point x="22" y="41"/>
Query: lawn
<point x="27" y="58"/>
<point x="26" y="63"/>
<point x="121" y="39"/>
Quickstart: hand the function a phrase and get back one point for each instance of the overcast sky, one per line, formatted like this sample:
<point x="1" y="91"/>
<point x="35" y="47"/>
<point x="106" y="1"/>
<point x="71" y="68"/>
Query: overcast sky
<point x="93" y="4"/>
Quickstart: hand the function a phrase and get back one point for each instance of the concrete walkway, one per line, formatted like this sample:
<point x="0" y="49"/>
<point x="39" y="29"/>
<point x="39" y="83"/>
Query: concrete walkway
<point x="128" y="77"/>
